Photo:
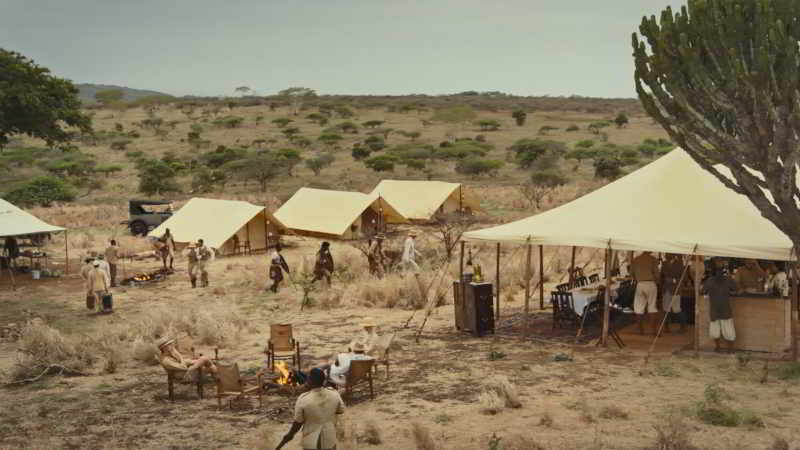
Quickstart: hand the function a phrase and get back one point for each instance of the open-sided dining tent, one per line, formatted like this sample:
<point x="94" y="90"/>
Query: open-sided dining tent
<point x="14" y="222"/>
<point x="222" y="223"/>
<point x="336" y="214"/>
<point x="671" y="205"/>
<point x="419" y="200"/>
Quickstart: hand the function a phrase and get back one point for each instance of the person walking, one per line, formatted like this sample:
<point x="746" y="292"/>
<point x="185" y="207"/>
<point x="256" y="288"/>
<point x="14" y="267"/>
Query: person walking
<point x="204" y="256"/>
<point x="97" y="284"/>
<point x="315" y="412"/>
<point x="375" y="256"/>
<point x="192" y="258"/>
<point x="166" y="249"/>
<point x="112" y="257"/>
<point x="410" y="253"/>
<point x="323" y="267"/>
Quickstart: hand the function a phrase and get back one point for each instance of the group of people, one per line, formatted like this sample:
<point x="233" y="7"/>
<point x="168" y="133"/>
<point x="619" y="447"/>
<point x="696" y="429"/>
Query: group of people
<point x="315" y="409"/>
<point x="99" y="274"/>
<point x="718" y="283"/>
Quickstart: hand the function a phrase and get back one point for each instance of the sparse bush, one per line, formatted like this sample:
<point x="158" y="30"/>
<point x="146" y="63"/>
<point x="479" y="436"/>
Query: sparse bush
<point x="489" y="125"/>
<point x="120" y="144"/>
<point x="422" y="437"/>
<point x="381" y="163"/>
<point x="501" y="385"/>
<point x="609" y="168"/>
<point x="490" y="403"/>
<point x="41" y="191"/>
<point x="519" y="117"/>
<point x="375" y="142"/>
<point x="478" y="166"/>
<point x="360" y="153"/>
<point x="573" y="127"/>
<point x="281" y="122"/>
<point x="372" y="123"/>
<point x="156" y="177"/>
<point x="672" y="434"/>
<point x="544" y="129"/>
<point x="527" y="151"/>
<point x="317" y="163"/>
<point x="585" y="143"/>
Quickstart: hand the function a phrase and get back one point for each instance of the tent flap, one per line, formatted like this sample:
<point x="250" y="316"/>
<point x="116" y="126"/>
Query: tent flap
<point x="671" y="205"/>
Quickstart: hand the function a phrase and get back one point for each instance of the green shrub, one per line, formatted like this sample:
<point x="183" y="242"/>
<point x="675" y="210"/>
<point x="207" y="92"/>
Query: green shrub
<point x="360" y="153"/>
<point x="317" y="163"/>
<point x="221" y="156"/>
<point x="120" y="144"/>
<point x="372" y="123"/>
<point x="573" y="127"/>
<point x="474" y="165"/>
<point x="489" y="125"/>
<point x="527" y="151"/>
<point x="281" y="122"/>
<point x="790" y="371"/>
<point x="607" y="167"/>
<point x="375" y="142"/>
<point x="134" y="154"/>
<point x="586" y="143"/>
<point x="519" y="117"/>
<point x="381" y="163"/>
<point x="156" y="177"/>
<point x="41" y="191"/>
<point x="229" y="122"/>
<point x="463" y="149"/>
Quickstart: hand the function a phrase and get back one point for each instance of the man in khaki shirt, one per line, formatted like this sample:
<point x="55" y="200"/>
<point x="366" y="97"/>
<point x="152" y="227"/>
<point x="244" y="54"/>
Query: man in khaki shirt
<point x="315" y="412"/>
<point x="750" y="277"/>
<point x="112" y="257"/>
<point x="97" y="284"/>
<point x="174" y="362"/>
<point x="644" y="269"/>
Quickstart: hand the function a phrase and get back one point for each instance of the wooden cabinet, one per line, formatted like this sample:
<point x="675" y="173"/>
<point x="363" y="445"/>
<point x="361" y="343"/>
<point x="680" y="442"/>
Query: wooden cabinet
<point x="474" y="313"/>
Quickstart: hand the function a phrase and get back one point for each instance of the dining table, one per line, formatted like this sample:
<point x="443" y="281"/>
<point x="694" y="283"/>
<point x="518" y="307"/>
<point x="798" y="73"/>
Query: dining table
<point x="585" y="295"/>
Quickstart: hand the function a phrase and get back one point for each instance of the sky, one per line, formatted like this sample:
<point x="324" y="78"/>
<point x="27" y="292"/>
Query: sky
<point x="359" y="47"/>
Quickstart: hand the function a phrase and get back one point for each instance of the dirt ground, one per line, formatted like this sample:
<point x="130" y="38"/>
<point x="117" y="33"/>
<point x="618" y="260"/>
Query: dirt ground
<point x="597" y="398"/>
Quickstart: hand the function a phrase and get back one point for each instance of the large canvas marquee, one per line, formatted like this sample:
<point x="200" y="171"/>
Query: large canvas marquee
<point x="16" y="222"/>
<point x="670" y="205"/>
<point x="420" y="200"/>
<point x="218" y="221"/>
<point x="341" y="214"/>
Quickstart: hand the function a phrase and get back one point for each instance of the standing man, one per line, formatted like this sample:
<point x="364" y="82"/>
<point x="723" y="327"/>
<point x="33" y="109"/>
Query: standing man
<point x="410" y="253"/>
<point x="718" y="287"/>
<point x="101" y="258"/>
<point x="315" y="412"/>
<point x="167" y="248"/>
<point x="193" y="259"/>
<point x="671" y="271"/>
<point x="204" y="256"/>
<point x="375" y="256"/>
<point x="112" y="257"/>
<point x="12" y="250"/>
<point x="323" y="267"/>
<point x="644" y="269"/>
<point x="277" y="266"/>
<point x="97" y="282"/>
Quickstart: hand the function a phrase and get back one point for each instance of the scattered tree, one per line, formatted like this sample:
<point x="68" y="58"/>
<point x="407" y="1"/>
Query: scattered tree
<point x="527" y="151"/>
<point x="449" y="227"/>
<point x="519" y="116"/>
<point x="542" y="184"/>
<point x="372" y="123"/>
<point x="380" y="163"/>
<point x="375" y="143"/>
<point x="621" y="120"/>
<point x="360" y="152"/>
<point x="243" y="91"/>
<point x="477" y="166"/>
<point x="319" y="162"/>
<point x="489" y="125"/>
<point x="156" y="177"/>
<point x="260" y="167"/>
<point x="296" y="96"/>
<point x="281" y="122"/>
<point x="329" y="139"/>
<point x="318" y="118"/>
<point x="289" y="157"/>
<point x="41" y="191"/>
<point x="607" y="167"/>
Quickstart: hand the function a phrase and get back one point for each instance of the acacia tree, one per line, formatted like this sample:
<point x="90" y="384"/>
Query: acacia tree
<point x="35" y="103"/>
<point x="722" y="78"/>
<point x="450" y="227"/>
<point x="296" y="96"/>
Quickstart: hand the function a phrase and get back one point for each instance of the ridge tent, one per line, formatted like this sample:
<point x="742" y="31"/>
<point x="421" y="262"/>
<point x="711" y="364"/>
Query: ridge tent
<point x="14" y="222"/>
<point x="220" y="223"/>
<point x="338" y="214"/>
<point x="671" y="205"/>
<point x="420" y="200"/>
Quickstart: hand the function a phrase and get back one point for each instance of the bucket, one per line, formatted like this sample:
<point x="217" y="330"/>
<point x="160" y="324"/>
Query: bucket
<point x="36" y="274"/>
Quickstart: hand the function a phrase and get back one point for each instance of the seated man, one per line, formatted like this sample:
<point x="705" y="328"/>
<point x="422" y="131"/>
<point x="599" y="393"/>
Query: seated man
<point x="368" y="336"/>
<point x="173" y="362"/>
<point x="337" y="370"/>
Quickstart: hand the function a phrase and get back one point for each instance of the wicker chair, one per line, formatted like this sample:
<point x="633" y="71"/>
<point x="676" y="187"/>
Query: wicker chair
<point x="282" y="346"/>
<point x="382" y="357"/>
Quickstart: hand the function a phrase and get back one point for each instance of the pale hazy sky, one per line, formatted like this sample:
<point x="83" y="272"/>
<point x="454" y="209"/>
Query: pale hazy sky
<point x="208" y="47"/>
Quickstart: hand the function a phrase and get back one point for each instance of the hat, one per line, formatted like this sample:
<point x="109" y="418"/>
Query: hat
<point x="316" y="377"/>
<point x="358" y="347"/>
<point x="367" y="322"/>
<point x="96" y="263"/>
<point x="412" y="233"/>
<point x="165" y="341"/>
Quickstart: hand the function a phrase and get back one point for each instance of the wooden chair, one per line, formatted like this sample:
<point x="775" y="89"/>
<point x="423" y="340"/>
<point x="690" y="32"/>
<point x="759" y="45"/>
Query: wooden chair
<point x="594" y="278"/>
<point x="563" y="310"/>
<point x="360" y="373"/>
<point x="563" y="287"/>
<point x="231" y="384"/>
<point x="581" y="281"/>
<point x="594" y="316"/>
<point x="186" y="347"/>
<point x="282" y="345"/>
<point x="382" y="357"/>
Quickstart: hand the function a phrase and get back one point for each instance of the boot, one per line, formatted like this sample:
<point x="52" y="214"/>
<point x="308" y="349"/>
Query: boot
<point x="194" y="281"/>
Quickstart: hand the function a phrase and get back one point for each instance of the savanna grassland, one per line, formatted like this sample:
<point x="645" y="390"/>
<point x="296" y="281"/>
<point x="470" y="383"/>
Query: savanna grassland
<point x="445" y="390"/>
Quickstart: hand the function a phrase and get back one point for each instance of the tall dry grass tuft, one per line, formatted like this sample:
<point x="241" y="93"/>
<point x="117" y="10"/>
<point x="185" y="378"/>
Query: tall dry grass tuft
<point x="490" y="403"/>
<point x="521" y="442"/>
<point x="41" y="346"/>
<point x="422" y="437"/>
<point x="262" y="440"/>
<point x="672" y="434"/>
<point x="500" y="385"/>
<point x="371" y="434"/>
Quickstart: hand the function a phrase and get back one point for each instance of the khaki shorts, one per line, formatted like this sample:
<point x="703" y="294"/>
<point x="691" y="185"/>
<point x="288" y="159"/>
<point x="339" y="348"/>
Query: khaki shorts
<point x="646" y="297"/>
<point x="670" y="302"/>
<point x="722" y="328"/>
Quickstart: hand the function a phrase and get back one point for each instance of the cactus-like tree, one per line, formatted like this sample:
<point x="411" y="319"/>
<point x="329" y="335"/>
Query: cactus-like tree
<point x="722" y="78"/>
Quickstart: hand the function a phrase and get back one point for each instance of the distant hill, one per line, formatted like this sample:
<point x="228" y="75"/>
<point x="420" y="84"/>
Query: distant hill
<point x="87" y="91"/>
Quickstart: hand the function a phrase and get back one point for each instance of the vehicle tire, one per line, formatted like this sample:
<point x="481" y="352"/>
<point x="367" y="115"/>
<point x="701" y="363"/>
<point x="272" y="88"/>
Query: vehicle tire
<point x="138" y="228"/>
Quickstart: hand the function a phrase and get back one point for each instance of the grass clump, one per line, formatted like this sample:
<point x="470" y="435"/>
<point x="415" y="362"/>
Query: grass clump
<point x="666" y="371"/>
<point x="714" y="410"/>
<point x="613" y="412"/>
<point x="422" y="437"/>
<point x="494" y="355"/>
<point x="505" y="390"/>
<point x="490" y="403"/>
<point x="372" y="434"/>
<point x="546" y="420"/>
<point x="790" y="372"/>
<point x="672" y="434"/>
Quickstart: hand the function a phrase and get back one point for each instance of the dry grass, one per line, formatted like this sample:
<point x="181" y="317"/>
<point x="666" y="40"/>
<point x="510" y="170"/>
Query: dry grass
<point x="490" y="403"/>
<point x="262" y="440"/>
<point x="423" y="438"/>
<point x="371" y="434"/>
<point x="520" y="442"/>
<point x="672" y="434"/>
<point x="546" y="420"/>
<point x="613" y="412"/>
<point x="500" y="385"/>
<point x="41" y="346"/>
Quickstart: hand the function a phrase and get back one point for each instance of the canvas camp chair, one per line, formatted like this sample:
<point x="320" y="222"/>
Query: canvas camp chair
<point x="360" y="373"/>
<point x="186" y="347"/>
<point x="381" y="353"/>
<point x="282" y="346"/>
<point x="231" y="384"/>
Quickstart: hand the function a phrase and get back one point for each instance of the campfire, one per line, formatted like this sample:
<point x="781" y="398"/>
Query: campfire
<point x="146" y="278"/>
<point x="282" y="379"/>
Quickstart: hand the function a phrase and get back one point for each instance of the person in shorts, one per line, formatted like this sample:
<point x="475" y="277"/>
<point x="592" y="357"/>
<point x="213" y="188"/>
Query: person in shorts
<point x="644" y="269"/>
<point x="718" y="287"/>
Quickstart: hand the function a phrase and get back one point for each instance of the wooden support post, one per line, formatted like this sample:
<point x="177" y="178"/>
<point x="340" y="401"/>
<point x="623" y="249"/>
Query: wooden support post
<point x="572" y="269"/>
<point x="793" y="313"/>
<point x="247" y="237"/>
<point x="66" y="252"/>
<point x="697" y="275"/>
<point x="497" y="287"/>
<point x="266" y="233"/>
<point x="606" y="301"/>
<point x="541" y="277"/>
<point x="461" y="282"/>
<point x="528" y="277"/>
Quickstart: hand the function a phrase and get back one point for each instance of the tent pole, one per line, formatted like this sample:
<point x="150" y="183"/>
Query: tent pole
<point x="266" y="233"/>
<point x="697" y="300"/>
<point x="541" y="277"/>
<point x="247" y="233"/>
<point x="572" y="269"/>
<point x="606" y="301"/>
<point x="497" y="282"/>
<point x="793" y="312"/>
<point x="66" y="252"/>
<point x="528" y="277"/>
<point x="461" y="282"/>
<point x="11" y="274"/>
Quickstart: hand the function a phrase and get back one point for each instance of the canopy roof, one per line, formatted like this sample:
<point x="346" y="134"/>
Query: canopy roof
<point x="671" y="205"/>
<point x="420" y="200"/>
<point x="16" y="222"/>
<point x="214" y="221"/>
<point x="330" y="212"/>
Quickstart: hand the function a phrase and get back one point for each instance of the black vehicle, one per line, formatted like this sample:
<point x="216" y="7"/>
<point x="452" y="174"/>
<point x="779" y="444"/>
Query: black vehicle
<point x="142" y="219"/>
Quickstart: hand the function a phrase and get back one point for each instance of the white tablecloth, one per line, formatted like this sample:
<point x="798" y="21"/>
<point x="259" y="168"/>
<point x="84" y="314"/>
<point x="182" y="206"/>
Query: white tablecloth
<point x="582" y="296"/>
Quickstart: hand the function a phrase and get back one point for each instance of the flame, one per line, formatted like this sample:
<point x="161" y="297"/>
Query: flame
<point x="283" y="370"/>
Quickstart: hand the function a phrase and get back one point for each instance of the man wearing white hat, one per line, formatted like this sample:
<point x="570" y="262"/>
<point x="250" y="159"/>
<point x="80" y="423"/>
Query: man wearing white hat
<point x="368" y="336"/>
<point x="172" y="361"/>
<point x="97" y="283"/>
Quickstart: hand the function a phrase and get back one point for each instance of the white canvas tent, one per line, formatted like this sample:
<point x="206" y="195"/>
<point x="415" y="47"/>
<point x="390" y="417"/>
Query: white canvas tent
<point x="18" y="223"/>
<point x="671" y="205"/>
<point x="221" y="222"/>
<point x="420" y="200"/>
<point x="340" y="214"/>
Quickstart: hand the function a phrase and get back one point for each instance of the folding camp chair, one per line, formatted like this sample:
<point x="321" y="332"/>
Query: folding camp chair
<point x="282" y="346"/>
<point x="231" y="384"/>
<point x="360" y="373"/>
